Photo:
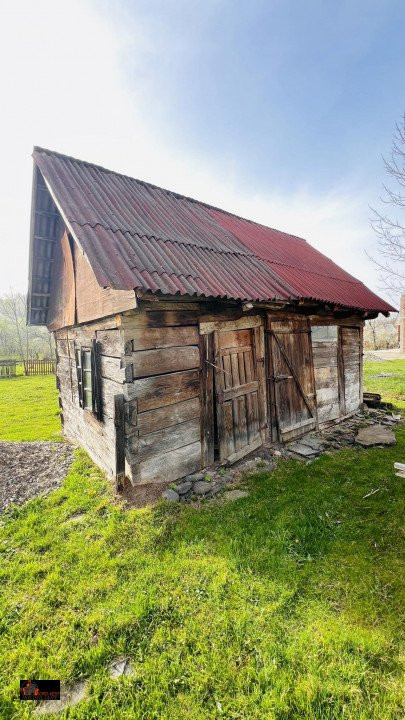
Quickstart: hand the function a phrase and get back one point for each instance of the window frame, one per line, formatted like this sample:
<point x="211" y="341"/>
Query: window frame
<point x="89" y="378"/>
<point x="326" y="328"/>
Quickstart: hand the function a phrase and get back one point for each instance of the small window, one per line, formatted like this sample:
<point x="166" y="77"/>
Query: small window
<point x="324" y="333"/>
<point x="89" y="379"/>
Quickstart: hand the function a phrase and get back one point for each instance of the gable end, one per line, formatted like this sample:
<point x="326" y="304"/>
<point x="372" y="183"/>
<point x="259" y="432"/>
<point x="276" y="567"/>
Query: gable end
<point x="46" y="227"/>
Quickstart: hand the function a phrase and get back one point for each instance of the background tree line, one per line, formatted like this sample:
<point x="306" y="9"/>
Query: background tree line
<point x="382" y="332"/>
<point x="17" y="339"/>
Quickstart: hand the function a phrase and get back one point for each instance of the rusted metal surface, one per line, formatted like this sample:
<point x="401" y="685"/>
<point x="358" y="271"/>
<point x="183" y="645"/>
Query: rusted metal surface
<point x="138" y="236"/>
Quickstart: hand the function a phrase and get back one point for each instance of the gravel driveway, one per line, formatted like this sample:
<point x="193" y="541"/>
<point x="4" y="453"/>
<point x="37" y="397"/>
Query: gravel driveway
<point x="29" y="469"/>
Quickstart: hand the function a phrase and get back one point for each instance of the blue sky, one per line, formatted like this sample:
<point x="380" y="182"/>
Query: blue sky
<point x="290" y="92"/>
<point x="279" y="111"/>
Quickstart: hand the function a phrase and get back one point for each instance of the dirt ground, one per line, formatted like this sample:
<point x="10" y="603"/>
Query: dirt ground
<point x="394" y="354"/>
<point x="29" y="469"/>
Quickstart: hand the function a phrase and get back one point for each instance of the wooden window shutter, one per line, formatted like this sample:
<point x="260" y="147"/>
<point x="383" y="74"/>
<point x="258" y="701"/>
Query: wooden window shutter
<point x="97" y="399"/>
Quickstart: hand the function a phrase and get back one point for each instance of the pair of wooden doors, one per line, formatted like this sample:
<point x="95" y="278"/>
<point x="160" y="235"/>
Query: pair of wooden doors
<point x="240" y="387"/>
<point x="238" y="363"/>
<point x="239" y="390"/>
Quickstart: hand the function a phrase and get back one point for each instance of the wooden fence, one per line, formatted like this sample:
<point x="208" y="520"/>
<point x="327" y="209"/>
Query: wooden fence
<point x="8" y="368"/>
<point x="40" y="367"/>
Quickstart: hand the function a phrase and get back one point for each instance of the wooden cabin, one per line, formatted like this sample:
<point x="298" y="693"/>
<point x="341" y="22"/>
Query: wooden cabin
<point x="185" y="335"/>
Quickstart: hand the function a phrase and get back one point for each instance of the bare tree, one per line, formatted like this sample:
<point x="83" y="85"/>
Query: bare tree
<point x="373" y="333"/>
<point x="381" y="333"/>
<point x="390" y="225"/>
<point x="12" y="307"/>
<point x="16" y="337"/>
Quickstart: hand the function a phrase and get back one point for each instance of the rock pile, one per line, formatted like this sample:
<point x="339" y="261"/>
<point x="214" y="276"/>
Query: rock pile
<point x="366" y="428"/>
<point x="209" y="484"/>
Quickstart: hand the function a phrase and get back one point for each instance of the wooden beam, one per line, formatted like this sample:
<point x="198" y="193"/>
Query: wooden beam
<point x="207" y="399"/>
<point x="119" y="423"/>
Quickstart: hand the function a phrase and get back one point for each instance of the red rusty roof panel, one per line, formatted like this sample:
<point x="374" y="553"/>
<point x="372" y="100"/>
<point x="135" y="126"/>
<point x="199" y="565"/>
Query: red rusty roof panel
<point x="139" y="236"/>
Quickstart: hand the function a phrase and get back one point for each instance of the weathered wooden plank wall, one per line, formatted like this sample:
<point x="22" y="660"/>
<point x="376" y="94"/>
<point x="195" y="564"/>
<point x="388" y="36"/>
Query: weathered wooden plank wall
<point x="338" y="368"/>
<point x="352" y="367"/>
<point x="325" y="353"/>
<point x="81" y="426"/>
<point x="162" y="359"/>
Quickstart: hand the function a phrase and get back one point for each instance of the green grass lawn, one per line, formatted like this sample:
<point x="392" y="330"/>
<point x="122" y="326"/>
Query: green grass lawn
<point x="286" y="604"/>
<point x="391" y="388"/>
<point x="29" y="408"/>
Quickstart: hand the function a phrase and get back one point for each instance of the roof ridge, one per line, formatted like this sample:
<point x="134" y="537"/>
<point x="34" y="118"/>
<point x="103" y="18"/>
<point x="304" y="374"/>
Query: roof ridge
<point x="173" y="193"/>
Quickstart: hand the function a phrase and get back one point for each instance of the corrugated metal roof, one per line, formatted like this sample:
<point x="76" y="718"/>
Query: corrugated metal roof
<point x="138" y="236"/>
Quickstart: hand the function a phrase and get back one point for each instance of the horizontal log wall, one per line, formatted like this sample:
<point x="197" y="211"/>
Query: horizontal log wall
<point x="352" y="367"/>
<point x="162" y="368"/>
<point x="338" y="367"/>
<point x="81" y="426"/>
<point x="154" y="356"/>
<point x="326" y="372"/>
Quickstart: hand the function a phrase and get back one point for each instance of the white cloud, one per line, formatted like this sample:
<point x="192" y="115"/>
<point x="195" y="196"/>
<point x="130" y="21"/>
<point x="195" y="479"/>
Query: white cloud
<point x="64" y="86"/>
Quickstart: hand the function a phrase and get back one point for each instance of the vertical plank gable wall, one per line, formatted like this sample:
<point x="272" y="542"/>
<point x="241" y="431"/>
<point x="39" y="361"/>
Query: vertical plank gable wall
<point x="162" y="359"/>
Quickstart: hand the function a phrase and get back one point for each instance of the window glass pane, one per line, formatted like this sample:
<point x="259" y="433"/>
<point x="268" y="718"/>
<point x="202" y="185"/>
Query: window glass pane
<point x="87" y="360"/>
<point x="86" y="380"/>
<point x="87" y="398"/>
<point x="324" y="332"/>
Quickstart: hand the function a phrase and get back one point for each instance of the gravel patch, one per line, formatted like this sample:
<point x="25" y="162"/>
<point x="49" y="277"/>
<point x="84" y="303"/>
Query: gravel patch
<point x="29" y="469"/>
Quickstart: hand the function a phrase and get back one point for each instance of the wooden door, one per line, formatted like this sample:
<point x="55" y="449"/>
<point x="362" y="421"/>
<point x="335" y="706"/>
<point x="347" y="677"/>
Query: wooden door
<point x="350" y="339"/>
<point x="239" y="388"/>
<point x="291" y="376"/>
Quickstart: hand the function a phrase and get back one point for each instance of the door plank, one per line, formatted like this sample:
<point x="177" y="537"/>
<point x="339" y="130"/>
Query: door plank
<point x="235" y="370"/>
<point x="240" y="390"/>
<point x="207" y="399"/>
<point x="229" y="429"/>
<point x="235" y="338"/>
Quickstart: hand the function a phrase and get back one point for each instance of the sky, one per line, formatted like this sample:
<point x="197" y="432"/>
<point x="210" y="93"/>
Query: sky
<point x="277" y="110"/>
